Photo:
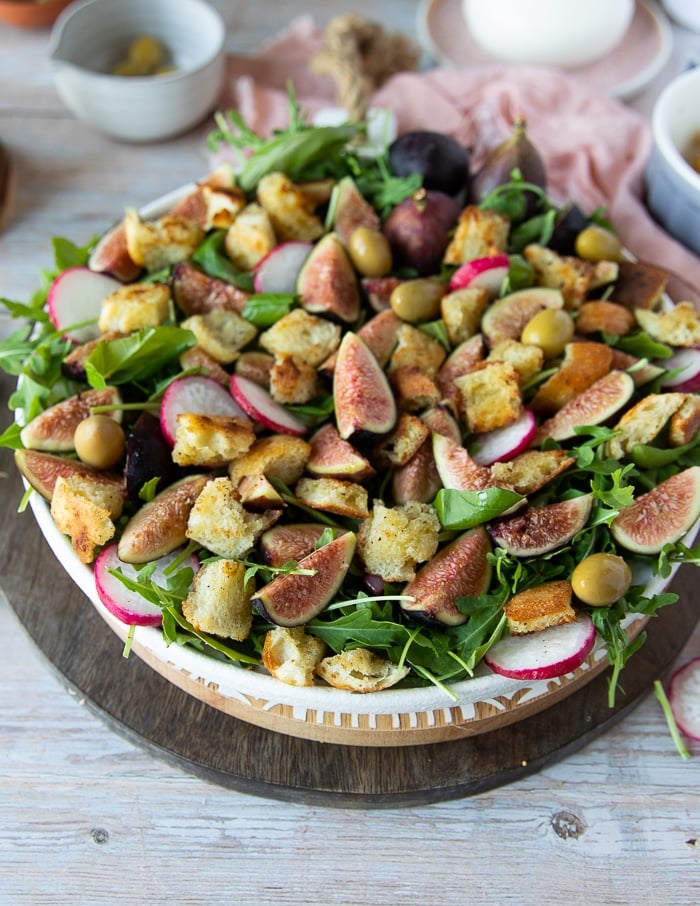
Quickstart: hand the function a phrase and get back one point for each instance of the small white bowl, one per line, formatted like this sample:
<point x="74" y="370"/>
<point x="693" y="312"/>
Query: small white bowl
<point x="673" y="186"/>
<point x="89" y="38"/>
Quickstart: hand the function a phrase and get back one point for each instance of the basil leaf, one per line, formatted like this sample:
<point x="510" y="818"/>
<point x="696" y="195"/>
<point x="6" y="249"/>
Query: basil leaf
<point x="461" y="510"/>
<point x="137" y="356"/>
<point x="214" y="261"/>
<point x="266" y="309"/>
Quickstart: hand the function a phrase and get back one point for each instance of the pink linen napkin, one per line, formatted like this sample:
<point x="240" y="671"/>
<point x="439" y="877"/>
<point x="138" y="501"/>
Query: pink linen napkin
<point x="595" y="149"/>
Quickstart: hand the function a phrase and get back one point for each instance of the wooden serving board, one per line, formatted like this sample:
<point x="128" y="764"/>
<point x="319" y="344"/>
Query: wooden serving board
<point x="144" y="707"/>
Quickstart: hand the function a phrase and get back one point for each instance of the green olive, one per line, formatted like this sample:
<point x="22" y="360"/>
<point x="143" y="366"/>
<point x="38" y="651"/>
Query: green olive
<point x="601" y="579"/>
<point x="370" y="252"/>
<point x="99" y="441"/>
<point x="550" y="329"/>
<point x="418" y="300"/>
<point x="595" y="243"/>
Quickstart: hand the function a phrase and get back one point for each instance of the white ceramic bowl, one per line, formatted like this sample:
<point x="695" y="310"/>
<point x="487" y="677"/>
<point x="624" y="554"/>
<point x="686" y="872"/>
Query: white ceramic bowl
<point x="89" y="38"/>
<point x="673" y="186"/>
<point x="685" y="12"/>
<point x="548" y="32"/>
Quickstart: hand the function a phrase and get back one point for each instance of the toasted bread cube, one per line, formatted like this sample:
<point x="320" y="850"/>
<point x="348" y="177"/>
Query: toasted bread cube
<point x="134" y="306"/>
<point x="416" y="347"/>
<point x="601" y="316"/>
<point x="88" y="524"/>
<point x="679" y="326"/>
<point x="221" y="333"/>
<point x="223" y="203"/>
<point x="538" y="608"/>
<point x="639" y="285"/>
<point x="291" y="210"/>
<point x="480" y="232"/>
<point x="218" y="601"/>
<point x="394" y="540"/>
<point x="461" y="312"/>
<point x="292" y="656"/>
<point x="292" y="380"/>
<point x="360" y="670"/>
<point x="344" y="498"/>
<point x="257" y="493"/>
<point x="685" y="422"/>
<point x="250" y="237"/>
<point x="160" y="243"/>
<point x="210" y="440"/>
<point x="403" y="442"/>
<point x="531" y="470"/>
<point x="413" y="388"/>
<point x="308" y="337"/>
<point x="642" y="423"/>
<point x="525" y="358"/>
<point x="276" y="456"/>
<point x="489" y="396"/>
<point x="219" y="522"/>
<point x="572" y="276"/>
<point x="583" y="364"/>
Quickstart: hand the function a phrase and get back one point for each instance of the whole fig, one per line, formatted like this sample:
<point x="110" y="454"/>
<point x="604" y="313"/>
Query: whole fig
<point x="440" y="159"/>
<point x="418" y="230"/>
<point x="516" y="153"/>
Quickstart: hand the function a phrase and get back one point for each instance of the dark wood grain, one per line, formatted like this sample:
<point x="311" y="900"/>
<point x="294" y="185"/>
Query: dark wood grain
<point x="149" y="711"/>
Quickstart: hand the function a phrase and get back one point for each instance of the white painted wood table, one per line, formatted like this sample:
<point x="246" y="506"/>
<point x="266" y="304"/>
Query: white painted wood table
<point x="86" y="817"/>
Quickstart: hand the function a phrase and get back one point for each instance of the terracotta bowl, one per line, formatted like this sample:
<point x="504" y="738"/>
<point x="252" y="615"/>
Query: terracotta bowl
<point x="31" y="13"/>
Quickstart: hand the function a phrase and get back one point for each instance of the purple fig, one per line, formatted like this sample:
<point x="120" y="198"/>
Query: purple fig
<point x="439" y="158"/>
<point x="418" y="230"/>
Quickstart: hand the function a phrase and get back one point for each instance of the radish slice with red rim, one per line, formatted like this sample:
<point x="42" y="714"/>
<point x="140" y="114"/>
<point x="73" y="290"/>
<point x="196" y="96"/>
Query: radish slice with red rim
<point x="125" y="604"/>
<point x="543" y="655"/>
<point x="279" y="269"/>
<point x="257" y="403"/>
<point x="198" y="394"/>
<point x="687" y="362"/>
<point x="75" y="296"/>
<point x="684" y="698"/>
<point x="488" y="272"/>
<point x="505" y="443"/>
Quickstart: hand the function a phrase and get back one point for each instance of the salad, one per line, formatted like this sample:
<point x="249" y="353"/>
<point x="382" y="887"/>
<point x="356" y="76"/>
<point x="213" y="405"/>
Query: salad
<point x="365" y="417"/>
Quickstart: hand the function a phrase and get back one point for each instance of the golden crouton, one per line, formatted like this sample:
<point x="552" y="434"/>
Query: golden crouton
<point x="210" y="440"/>
<point x="489" y="396"/>
<point x="292" y="380"/>
<point x="685" y="422"/>
<point x="573" y="276"/>
<point x="416" y="347"/>
<point x="276" y="456"/>
<point x="291" y="210"/>
<point x="308" y="337"/>
<point x="461" y="312"/>
<point x="403" y="442"/>
<point x="394" y="540"/>
<point x="291" y="655"/>
<point x="250" y="237"/>
<point x="344" y="498"/>
<point x="679" y="326"/>
<point x="525" y="358"/>
<point x="639" y="285"/>
<point x="221" y="333"/>
<point x="223" y="203"/>
<point x="414" y="389"/>
<point x="601" y="316"/>
<point x="134" y="306"/>
<point x="480" y="232"/>
<point x="218" y="602"/>
<point x="540" y="607"/>
<point x="219" y="522"/>
<point x="583" y="364"/>
<point x="160" y="243"/>
<point x="359" y="670"/>
<point x="531" y="470"/>
<point x="88" y="524"/>
<point x="257" y="493"/>
<point x="642" y="423"/>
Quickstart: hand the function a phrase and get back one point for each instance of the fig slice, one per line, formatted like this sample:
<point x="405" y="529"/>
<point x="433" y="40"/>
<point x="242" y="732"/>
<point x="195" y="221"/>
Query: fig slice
<point x="54" y="428"/>
<point x="159" y="527"/>
<point x="661" y="516"/>
<point x="348" y="210"/>
<point x="507" y="316"/>
<point x="461" y="568"/>
<point x="362" y="396"/>
<point x="42" y="470"/>
<point x="380" y="334"/>
<point x="594" y="406"/>
<point x="456" y="468"/>
<point x="333" y="457"/>
<point x="327" y="284"/>
<point x="542" y="529"/>
<point x="289" y="541"/>
<point x="293" y="599"/>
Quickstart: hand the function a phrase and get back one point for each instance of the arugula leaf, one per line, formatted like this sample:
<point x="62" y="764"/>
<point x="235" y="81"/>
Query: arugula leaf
<point x="460" y="510"/>
<point x="137" y="356"/>
<point x="358" y="628"/>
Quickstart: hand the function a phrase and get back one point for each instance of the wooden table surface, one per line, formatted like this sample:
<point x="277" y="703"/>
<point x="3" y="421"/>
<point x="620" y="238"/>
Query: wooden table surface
<point x="88" y="817"/>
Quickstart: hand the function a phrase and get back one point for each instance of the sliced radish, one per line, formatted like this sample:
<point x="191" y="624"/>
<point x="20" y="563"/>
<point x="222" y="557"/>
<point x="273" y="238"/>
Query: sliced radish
<point x="688" y="378"/>
<point x="125" y="604"/>
<point x="75" y="296"/>
<point x="279" y="269"/>
<point x="195" y="393"/>
<point x="262" y="408"/>
<point x="684" y="696"/>
<point x="546" y="654"/>
<point x="505" y="443"/>
<point x="488" y="272"/>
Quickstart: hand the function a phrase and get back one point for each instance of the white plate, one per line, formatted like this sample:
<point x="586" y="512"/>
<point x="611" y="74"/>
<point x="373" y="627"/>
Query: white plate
<point x="642" y="54"/>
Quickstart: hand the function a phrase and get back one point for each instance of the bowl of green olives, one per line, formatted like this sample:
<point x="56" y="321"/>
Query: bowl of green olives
<point x="139" y="72"/>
